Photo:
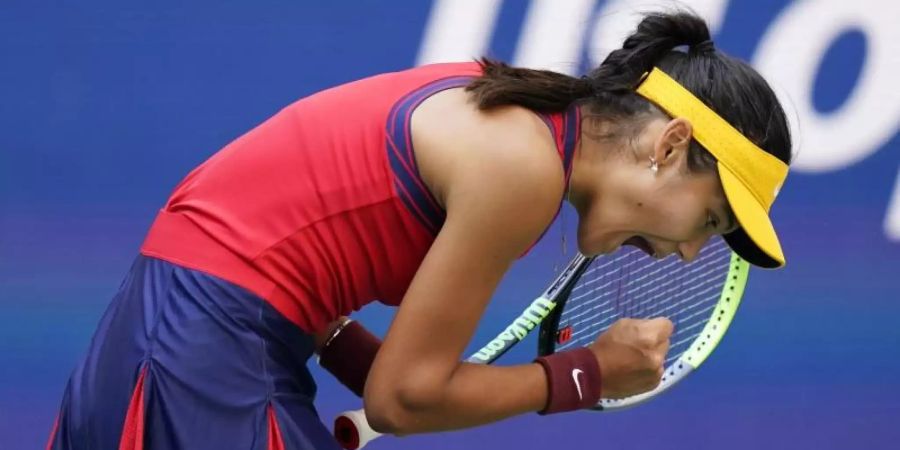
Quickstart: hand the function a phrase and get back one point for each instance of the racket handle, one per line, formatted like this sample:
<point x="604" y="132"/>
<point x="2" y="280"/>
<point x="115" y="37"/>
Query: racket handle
<point x="352" y="430"/>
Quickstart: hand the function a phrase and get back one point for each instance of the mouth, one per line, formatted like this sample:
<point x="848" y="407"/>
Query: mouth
<point x="641" y="243"/>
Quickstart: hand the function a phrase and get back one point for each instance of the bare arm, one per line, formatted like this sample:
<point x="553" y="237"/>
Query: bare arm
<point x="498" y="200"/>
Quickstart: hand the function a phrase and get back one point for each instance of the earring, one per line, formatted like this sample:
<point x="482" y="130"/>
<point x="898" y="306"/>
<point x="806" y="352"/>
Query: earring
<point x="653" y="166"/>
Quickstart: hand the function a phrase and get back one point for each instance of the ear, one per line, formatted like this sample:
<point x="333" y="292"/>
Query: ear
<point x="673" y="142"/>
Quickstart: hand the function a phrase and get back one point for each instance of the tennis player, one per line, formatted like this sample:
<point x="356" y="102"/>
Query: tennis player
<point x="419" y="189"/>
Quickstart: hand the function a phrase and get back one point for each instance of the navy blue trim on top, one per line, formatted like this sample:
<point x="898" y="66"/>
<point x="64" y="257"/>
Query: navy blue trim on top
<point x="571" y="131"/>
<point x="572" y="127"/>
<point x="568" y="136"/>
<point x="407" y="180"/>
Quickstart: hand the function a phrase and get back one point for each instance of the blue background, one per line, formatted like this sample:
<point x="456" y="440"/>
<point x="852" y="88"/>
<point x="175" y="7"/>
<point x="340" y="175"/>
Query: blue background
<point x="105" y="105"/>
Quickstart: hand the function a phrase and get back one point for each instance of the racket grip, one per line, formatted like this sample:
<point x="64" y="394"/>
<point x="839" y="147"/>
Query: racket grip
<point x="352" y="430"/>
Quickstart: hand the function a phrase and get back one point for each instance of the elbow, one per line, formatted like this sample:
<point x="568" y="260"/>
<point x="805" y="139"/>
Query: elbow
<point x="400" y="409"/>
<point x="385" y="419"/>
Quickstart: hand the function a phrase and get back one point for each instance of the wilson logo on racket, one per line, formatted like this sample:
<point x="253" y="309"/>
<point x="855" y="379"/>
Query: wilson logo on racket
<point x="564" y="335"/>
<point x="533" y="316"/>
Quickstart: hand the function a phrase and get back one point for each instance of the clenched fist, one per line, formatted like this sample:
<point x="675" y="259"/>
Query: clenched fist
<point x="631" y="354"/>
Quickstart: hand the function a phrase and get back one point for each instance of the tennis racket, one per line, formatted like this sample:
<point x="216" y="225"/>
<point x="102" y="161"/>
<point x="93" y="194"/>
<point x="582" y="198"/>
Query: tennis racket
<point x="700" y="298"/>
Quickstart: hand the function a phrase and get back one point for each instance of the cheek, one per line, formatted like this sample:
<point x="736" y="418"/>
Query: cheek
<point x="678" y="218"/>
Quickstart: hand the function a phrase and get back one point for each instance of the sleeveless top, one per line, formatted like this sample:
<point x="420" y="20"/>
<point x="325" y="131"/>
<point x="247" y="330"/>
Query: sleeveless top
<point x="320" y="209"/>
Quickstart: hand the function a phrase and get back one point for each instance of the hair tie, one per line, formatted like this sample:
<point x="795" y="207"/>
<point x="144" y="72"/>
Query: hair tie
<point x="583" y="87"/>
<point x="706" y="46"/>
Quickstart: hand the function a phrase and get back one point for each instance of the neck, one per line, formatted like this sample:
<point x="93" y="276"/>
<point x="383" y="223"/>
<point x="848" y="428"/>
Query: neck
<point x="591" y="169"/>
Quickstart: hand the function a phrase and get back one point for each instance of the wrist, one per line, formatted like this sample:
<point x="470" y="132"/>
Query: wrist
<point x="335" y="331"/>
<point x="348" y="354"/>
<point x="573" y="380"/>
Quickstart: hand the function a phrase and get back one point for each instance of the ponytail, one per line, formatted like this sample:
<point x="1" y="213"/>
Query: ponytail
<point x="656" y="36"/>
<point x="547" y="91"/>
<point x="679" y="44"/>
<point x="538" y="90"/>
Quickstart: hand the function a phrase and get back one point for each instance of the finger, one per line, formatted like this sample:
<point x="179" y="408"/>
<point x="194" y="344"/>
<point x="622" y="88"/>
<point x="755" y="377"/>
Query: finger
<point x="657" y="359"/>
<point x="662" y="326"/>
<point x="662" y="322"/>
<point x="662" y="346"/>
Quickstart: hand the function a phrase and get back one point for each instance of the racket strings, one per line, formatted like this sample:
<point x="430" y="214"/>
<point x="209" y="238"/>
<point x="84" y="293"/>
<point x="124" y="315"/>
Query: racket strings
<point x="631" y="284"/>
<point x="596" y="292"/>
<point x="706" y="280"/>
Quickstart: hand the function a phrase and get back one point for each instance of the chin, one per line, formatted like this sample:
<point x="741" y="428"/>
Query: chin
<point x="594" y="247"/>
<point x="583" y="247"/>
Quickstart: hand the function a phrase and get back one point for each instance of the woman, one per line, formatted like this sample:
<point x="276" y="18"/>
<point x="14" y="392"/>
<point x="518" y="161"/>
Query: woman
<point x="419" y="189"/>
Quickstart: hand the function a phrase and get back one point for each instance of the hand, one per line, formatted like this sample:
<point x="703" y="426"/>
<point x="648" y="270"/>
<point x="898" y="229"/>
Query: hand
<point x="631" y="354"/>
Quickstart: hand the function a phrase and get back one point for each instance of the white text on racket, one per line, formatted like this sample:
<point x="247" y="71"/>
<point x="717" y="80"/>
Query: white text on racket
<point x="538" y="310"/>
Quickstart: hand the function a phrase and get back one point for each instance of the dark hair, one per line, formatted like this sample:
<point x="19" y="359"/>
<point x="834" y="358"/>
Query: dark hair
<point x="729" y="86"/>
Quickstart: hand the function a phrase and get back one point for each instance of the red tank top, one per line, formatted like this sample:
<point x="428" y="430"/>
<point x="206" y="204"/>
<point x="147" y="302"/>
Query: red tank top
<point x="320" y="209"/>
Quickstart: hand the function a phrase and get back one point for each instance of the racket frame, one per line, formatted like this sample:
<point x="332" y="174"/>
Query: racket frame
<point x="706" y="341"/>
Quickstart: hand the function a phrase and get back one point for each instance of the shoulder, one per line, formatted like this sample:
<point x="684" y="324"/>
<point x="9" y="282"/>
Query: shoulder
<point x="454" y="139"/>
<point x="502" y="162"/>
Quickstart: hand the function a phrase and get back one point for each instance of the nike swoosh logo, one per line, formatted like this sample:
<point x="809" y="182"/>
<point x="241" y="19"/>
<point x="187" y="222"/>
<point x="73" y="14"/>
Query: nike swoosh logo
<point x="575" y="373"/>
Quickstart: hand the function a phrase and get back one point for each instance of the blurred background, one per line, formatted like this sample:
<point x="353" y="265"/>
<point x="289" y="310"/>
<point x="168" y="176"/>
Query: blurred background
<point x="105" y="105"/>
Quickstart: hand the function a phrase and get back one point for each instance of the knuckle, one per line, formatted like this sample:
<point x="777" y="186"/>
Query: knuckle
<point x="651" y="362"/>
<point x="663" y="326"/>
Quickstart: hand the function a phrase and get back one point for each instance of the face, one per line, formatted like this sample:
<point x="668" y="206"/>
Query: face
<point x="621" y="200"/>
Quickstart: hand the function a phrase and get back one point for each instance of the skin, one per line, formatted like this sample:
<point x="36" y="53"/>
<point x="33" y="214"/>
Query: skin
<point x="617" y="196"/>
<point x="499" y="177"/>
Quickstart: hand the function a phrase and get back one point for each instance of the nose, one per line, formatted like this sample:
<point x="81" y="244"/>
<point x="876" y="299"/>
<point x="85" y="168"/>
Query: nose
<point x="690" y="249"/>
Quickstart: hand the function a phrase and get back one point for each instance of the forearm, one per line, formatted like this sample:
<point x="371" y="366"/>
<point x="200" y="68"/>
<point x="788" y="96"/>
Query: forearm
<point x="474" y="395"/>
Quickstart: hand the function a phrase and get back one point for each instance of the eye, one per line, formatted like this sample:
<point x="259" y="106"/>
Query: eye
<point x="711" y="221"/>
